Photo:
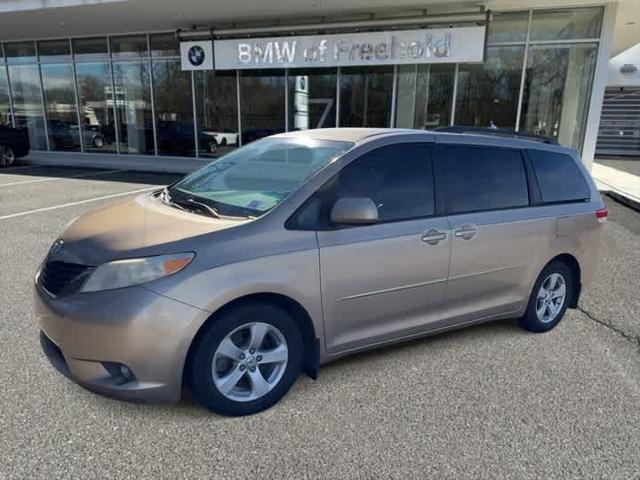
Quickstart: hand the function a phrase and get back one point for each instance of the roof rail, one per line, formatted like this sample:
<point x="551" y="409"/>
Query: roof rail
<point x="497" y="132"/>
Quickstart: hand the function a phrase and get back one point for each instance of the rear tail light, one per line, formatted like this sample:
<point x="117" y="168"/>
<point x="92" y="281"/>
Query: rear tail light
<point x="602" y="215"/>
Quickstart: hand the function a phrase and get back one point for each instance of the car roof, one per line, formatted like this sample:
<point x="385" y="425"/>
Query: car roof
<point x="344" y="134"/>
<point x="468" y="137"/>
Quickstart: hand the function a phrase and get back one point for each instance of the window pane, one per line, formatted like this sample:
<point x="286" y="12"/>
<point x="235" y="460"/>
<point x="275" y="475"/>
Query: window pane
<point x="129" y="46"/>
<point x="133" y="107"/>
<point x="174" y="109"/>
<point x="312" y="98"/>
<point x="508" y="27"/>
<point x="262" y="97"/>
<point x="217" y="112"/>
<point x="96" y="107"/>
<point x="476" y="179"/>
<point x="365" y="96"/>
<point x="20" y="52"/>
<point x="566" y="24"/>
<point x="424" y="96"/>
<point x="557" y="91"/>
<point x="60" y="103"/>
<point x="54" y="51"/>
<point x="488" y="93"/>
<point x="5" y="106"/>
<point x="90" y="48"/>
<point x="559" y="177"/>
<point x="164" y="45"/>
<point x="396" y="177"/>
<point x="27" y="103"/>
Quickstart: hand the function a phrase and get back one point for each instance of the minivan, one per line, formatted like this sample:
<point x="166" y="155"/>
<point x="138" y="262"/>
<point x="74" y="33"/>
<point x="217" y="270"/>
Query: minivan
<point x="307" y="246"/>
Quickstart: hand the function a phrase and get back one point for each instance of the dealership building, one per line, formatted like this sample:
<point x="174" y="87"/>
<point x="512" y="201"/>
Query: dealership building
<point x="167" y="86"/>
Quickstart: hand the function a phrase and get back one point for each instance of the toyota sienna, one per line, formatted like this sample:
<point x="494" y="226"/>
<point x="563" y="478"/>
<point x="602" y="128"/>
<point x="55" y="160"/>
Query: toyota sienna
<point x="307" y="246"/>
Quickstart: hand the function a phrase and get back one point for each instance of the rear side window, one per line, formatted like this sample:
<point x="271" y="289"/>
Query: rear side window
<point x="559" y="178"/>
<point x="479" y="178"/>
<point x="398" y="178"/>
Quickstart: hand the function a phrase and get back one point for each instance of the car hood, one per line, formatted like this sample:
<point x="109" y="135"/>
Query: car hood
<point x="137" y="227"/>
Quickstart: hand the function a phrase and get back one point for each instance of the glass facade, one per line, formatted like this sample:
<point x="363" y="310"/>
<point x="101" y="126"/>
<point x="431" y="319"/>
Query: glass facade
<point x="127" y="94"/>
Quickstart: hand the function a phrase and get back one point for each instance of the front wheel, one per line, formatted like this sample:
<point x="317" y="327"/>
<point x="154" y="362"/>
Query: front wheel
<point x="7" y="156"/>
<point x="552" y="293"/>
<point x="247" y="360"/>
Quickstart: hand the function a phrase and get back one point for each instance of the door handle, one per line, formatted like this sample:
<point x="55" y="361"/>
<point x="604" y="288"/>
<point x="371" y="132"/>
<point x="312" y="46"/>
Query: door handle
<point x="466" y="232"/>
<point x="434" y="236"/>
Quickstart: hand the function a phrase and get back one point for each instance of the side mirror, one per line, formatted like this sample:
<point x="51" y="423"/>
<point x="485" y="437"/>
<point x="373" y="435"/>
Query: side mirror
<point x="354" y="210"/>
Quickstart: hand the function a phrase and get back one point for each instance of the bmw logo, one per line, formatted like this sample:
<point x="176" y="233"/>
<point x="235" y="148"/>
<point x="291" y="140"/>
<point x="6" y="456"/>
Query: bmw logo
<point x="196" y="55"/>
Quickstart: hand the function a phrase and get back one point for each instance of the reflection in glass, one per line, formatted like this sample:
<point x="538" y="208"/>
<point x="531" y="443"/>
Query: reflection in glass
<point x="488" y="93"/>
<point x="217" y="112"/>
<point x="90" y="48"/>
<point x="557" y="91"/>
<point x="174" y="109"/>
<point x="60" y="104"/>
<point x="96" y="107"/>
<point x="133" y="107"/>
<point x="129" y="46"/>
<point x="566" y="24"/>
<point x="20" y="52"/>
<point x="424" y="96"/>
<point x="508" y="27"/>
<point x="54" y="51"/>
<point x="312" y="98"/>
<point x="365" y="96"/>
<point x="164" y="45"/>
<point x="262" y="97"/>
<point x="27" y="103"/>
<point x="5" y="105"/>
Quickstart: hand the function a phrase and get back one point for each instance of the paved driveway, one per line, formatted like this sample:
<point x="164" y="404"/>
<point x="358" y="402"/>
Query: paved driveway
<point x="487" y="402"/>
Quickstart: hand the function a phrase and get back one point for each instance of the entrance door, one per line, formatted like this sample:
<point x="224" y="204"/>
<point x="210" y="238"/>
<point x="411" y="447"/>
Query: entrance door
<point x="386" y="280"/>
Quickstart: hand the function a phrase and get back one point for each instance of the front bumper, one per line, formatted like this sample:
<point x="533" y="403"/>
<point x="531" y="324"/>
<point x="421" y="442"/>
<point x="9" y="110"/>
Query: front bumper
<point x="84" y="334"/>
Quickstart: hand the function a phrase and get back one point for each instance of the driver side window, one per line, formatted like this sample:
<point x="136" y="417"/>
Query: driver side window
<point x="398" y="178"/>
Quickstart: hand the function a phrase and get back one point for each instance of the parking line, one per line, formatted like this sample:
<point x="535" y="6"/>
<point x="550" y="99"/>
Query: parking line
<point x="80" y="175"/>
<point x="80" y="202"/>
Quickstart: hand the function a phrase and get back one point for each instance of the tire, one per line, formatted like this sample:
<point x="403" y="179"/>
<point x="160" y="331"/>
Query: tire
<point x="211" y="371"/>
<point x="223" y="142"/>
<point x="7" y="156"/>
<point x="540" y="317"/>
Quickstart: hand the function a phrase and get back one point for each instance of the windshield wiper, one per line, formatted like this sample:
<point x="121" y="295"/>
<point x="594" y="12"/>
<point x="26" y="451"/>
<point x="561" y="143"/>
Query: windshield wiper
<point x="203" y="206"/>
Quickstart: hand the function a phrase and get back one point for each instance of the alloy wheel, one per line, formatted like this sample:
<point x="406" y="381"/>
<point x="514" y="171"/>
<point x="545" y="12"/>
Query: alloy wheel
<point x="7" y="157"/>
<point x="250" y="361"/>
<point x="551" y="298"/>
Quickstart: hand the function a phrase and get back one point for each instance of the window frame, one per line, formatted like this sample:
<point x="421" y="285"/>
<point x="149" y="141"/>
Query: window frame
<point x="441" y="193"/>
<point x="539" y="200"/>
<point x="323" y="225"/>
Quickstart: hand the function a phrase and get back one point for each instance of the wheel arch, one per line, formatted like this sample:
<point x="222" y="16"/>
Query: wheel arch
<point x="572" y="263"/>
<point x="294" y="308"/>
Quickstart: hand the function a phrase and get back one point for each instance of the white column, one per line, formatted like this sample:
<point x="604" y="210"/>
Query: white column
<point x="599" y="84"/>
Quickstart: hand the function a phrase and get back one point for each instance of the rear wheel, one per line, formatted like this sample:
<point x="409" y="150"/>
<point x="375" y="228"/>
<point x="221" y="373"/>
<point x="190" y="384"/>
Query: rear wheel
<point x="552" y="293"/>
<point x="247" y="360"/>
<point x="7" y="156"/>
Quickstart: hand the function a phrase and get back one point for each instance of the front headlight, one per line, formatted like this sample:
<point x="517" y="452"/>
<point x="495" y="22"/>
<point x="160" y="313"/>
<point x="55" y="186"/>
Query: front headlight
<point x="133" y="271"/>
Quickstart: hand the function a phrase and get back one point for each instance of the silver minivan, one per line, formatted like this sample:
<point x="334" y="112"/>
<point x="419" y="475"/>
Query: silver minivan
<point x="303" y="247"/>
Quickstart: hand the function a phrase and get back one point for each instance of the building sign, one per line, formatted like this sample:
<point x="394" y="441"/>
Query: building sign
<point x="442" y="45"/>
<point x="196" y="55"/>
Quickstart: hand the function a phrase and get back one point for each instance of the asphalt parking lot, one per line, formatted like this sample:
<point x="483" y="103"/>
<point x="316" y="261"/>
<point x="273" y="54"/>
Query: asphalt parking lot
<point x="487" y="402"/>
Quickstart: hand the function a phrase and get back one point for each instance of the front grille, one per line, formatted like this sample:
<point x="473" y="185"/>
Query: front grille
<point x="60" y="278"/>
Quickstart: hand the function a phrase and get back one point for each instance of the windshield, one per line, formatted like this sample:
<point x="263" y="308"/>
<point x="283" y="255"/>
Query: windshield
<point x="255" y="178"/>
